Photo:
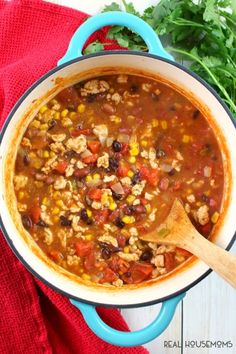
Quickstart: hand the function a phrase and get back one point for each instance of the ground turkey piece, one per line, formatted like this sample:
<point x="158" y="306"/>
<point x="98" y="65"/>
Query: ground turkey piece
<point x="20" y="181"/>
<point x="103" y="161"/>
<point x="78" y="144"/>
<point x="94" y="87"/>
<point x="101" y="132"/>
<point x="203" y="215"/>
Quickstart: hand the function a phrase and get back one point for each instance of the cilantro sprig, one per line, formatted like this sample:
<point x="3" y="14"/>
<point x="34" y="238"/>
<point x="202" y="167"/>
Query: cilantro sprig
<point x="202" y="32"/>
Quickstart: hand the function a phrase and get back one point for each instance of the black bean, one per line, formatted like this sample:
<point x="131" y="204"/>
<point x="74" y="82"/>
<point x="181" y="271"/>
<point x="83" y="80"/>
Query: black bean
<point x="26" y="221"/>
<point x="65" y="221"/>
<point x="117" y="196"/>
<point x="91" y="98"/>
<point x="136" y="178"/>
<point x="70" y="154"/>
<point x="134" y="88"/>
<point x="83" y="215"/>
<point x="205" y="198"/>
<point x="106" y="253"/>
<point x="42" y="223"/>
<point x="52" y="123"/>
<point x="113" y="164"/>
<point x="172" y="172"/>
<point x="119" y="223"/>
<point x="70" y="107"/>
<point x="160" y="153"/>
<point x="129" y="210"/>
<point x="116" y="146"/>
<point x="26" y="159"/>
<point x="146" y="256"/>
<point x="196" y="114"/>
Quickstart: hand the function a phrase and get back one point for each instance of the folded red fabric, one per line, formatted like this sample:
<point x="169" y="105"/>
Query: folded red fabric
<point x="34" y="318"/>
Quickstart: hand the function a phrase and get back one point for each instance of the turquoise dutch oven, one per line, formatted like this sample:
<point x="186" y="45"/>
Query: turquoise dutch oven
<point x="74" y="67"/>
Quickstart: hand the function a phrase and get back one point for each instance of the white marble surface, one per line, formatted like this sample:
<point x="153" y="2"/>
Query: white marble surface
<point x="208" y="312"/>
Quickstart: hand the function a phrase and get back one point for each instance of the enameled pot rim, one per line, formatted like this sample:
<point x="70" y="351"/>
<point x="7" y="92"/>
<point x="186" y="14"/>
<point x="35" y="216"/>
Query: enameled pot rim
<point x="21" y="100"/>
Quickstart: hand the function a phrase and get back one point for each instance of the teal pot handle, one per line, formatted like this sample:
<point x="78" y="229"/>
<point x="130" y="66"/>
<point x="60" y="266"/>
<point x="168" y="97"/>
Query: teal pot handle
<point x="96" y="22"/>
<point x="129" y="339"/>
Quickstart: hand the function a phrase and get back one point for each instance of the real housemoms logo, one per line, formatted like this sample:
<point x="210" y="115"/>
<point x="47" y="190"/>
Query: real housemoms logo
<point x="218" y="344"/>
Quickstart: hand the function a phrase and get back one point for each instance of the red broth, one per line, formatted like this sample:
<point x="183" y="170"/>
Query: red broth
<point x="102" y="163"/>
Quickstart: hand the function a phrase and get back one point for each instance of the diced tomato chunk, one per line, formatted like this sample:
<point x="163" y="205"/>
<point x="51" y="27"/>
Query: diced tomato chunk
<point x="118" y="264"/>
<point x="138" y="273"/>
<point x="153" y="178"/>
<point x="176" y="186"/>
<point x="35" y="213"/>
<point x="143" y="201"/>
<point x="183" y="252"/>
<point x="101" y="216"/>
<point x="79" y="132"/>
<point x="122" y="170"/>
<point x="61" y="167"/>
<point x="121" y="239"/>
<point x="124" y="149"/>
<point x="90" y="260"/>
<point x="95" y="194"/>
<point x="84" y="247"/>
<point x="55" y="255"/>
<point x="144" y="172"/>
<point x="169" y="261"/>
<point x="94" y="146"/>
<point x="90" y="159"/>
<point x="108" y="276"/>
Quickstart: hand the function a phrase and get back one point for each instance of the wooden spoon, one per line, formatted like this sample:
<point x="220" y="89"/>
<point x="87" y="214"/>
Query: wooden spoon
<point x="177" y="230"/>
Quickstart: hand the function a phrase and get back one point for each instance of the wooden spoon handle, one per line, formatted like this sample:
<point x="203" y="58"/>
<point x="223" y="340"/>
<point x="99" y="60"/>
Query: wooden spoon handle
<point x="221" y="261"/>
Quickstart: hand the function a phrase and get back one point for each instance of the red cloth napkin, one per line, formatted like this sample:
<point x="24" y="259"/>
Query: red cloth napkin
<point x="34" y="318"/>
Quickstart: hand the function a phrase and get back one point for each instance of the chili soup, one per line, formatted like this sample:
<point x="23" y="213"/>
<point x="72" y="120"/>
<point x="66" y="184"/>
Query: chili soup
<point x="102" y="162"/>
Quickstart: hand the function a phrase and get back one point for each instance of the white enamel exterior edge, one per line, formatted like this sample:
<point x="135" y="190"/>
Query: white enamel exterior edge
<point x="166" y="287"/>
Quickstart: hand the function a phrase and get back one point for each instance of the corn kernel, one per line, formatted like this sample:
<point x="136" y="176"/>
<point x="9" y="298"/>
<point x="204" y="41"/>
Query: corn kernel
<point x="130" y="173"/>
<point x="86" y="276"/>
<point x="59" y="203"/>
<point x="126" y="249"/>
<point x="189" y="190"/>
<point x="72" y="115"/>
<point x="164" y="124"/>
<point x="52" y="154"/>
<point x="207" y="193"/>
<point x="43" y="109"/>
<point x="55" y="211"/>
<point x="56" y="219"/>
<point x="155" y="123"/>
<point x="96" y="176"/>
<point x="89" y="213"/>
<point x="81" y="108"/>
<point x="115" y="119"/>
<point x="57" y="115"/>
<point x="130" y="198"/>
<point x="215" y="217"/>
<point x="134" y="151"/>
<point x="132" y="159"/>
<point x="53" y="101"/>
<point x="56" y="195"/>
<point x="112" y="206"/>
<point x="148" y="208"/>
<point x="186" y="139"/>
<point x="144" y="143"/>
<point x="89" y="178"/>
<point x="89" y="237"/>
<point x="45" y="201"/>
<point x="45" y="154"/>
<point x="198" y="204"/>
<point x="43" y="127"/>
<point x="35" y="123"/>
<point x="128" y="219"/>
<point x="21" y="195"/>
<point x="64" y="113"/>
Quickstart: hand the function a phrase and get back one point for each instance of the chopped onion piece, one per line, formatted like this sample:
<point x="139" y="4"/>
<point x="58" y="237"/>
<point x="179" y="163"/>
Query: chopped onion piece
<point x="94" y="183"/>
<point x="109" y="142"/>
<point x="123" y="138"/>
<point x="166" y="167"/>
<point x="86" y="153"/>
<point x="117" y="188"/>
<point x="207" y="171"/>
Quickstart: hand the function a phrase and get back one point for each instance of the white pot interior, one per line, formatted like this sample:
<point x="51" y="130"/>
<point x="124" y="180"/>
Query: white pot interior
<point x="88" y="67"/>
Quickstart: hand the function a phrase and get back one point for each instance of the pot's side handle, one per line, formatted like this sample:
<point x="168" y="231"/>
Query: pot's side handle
<point x="96" y="22"/>
<point x="128" y="339"/>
